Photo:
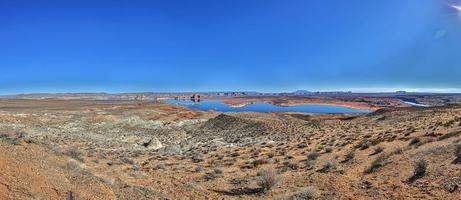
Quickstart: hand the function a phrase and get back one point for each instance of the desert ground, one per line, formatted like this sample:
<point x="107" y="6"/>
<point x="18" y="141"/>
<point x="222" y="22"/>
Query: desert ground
<point x="86" y="149"/>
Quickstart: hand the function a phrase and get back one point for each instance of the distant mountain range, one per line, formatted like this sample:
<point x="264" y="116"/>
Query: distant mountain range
<point x="155" y="95"/>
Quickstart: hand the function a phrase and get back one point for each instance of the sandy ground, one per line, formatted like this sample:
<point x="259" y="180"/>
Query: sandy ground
<point x="134" y="150"/>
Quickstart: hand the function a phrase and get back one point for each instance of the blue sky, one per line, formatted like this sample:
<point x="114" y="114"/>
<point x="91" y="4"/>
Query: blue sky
<point x="207" y="45"/>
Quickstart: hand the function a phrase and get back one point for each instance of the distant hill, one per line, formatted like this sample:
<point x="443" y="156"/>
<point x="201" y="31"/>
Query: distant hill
<point x="302" y="92"/>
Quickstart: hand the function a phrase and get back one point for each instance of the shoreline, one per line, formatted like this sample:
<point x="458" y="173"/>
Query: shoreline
<point x="240" y="102"/>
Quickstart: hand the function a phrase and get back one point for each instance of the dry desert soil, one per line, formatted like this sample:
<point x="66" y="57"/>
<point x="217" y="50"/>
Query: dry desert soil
<point x="71" y="149"/>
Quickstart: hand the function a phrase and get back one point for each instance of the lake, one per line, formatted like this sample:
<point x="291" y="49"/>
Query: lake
<point x="217" y="105"/>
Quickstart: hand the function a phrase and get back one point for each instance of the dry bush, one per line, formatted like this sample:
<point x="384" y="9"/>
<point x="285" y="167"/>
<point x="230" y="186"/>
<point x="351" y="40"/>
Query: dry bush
<point x="328" y="149"/>
<point x="379" y="162"/>
<point x="377" y="150"/>
<point x="160" y="166"/>
<point x="349" y="156"/>
<point x="309" y="193"/>
<point x="218" y="171"/>
<point x="291" y="165"/>
<point x="313" y="155"/>
<point x="414" y="141"/>
<point x="327" y="166"/>
<point x="397" y="151"/>
<point x="420" y="168"/>
<point x="309" y="164"/>
<point x="362" y="145"/>
<point x="74" y="153"/>
<point x="197" y="158"/>
<point x="127" y="160"/>
<point x="268" y="178"/>
<point x="198" y="169"/>
<point x="259" y="162"/>
<point x="457" y="153"/>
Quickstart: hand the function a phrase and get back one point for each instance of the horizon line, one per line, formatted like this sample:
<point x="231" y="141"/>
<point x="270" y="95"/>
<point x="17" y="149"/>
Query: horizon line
<point x="350" y="90"/>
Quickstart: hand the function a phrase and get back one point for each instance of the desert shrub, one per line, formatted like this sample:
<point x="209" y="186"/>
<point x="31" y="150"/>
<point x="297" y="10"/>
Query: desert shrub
<point x="136" y="168"/>
<point x="72" y="166"/>
<point x="198" y="169"/>
<point x="328" y="149"/>
<point x="313" y="155"/>
<point x="457" y="153"/>
<point x="270" y="155"/>
<point x="70" y="196"/>
<point x="308" y="194"/>
<point x="450" y="185"/>
<point x="362" y="145"/>
<point x="235" y="154"/>
<point x="420" y="168"/>
<point x="268" y="178"/>
<point x="74" y="153"/>
<point x="127" y="161"/>
<point x="75" y="167"/>
<point x="327" y="166"/>
<point x="291" y="165"/>
<point x="259" y="162"/>
<point x="349" y="156"/>
<point x="377" y="163"/>
<point x="396" y="151"/>
<point x="376" y="141"/>
<point x="414" y="141"/>
<point x="449" y="135"/>
<point x="217" y="171"/>
<point x="377" y="150"/>
<point x="14" y="140"/>
<point x="320" y="147"/>
<point x="197" y="158"/>
<point x="309" y="164"/>
<point x="301" y="145"/>
<point x="160" y="166"/>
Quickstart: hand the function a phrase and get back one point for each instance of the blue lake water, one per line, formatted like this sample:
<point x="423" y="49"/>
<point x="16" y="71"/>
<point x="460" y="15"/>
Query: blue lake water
<point x="217" y="105"/>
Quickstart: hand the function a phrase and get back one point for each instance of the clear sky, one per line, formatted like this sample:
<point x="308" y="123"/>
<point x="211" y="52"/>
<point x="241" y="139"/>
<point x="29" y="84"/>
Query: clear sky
<point x="206" y="45"/>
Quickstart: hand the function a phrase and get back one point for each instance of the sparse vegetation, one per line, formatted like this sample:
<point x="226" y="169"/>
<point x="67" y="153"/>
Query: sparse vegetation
<point x="219" y="155"/>
<point x="313" y="155"/>
<point x="267" y="179"/>
<point x="397" y="151"/>
<point x="457" y="153"/>
<point x="309" y="193"/>
<point x="377" y="150"/>
<point x="259" y="162"/>
<point x="380" y="161"/>
<point x="74" y="153"/>
<point x="160" y="166"/>
<point x="327" y="166"/>
<point x="419" y="171"/>
<point x="349" y="156"/>
<point x="414" y="141"/>
<point x="291" y="165"/>
<point x="362" y="145"/>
